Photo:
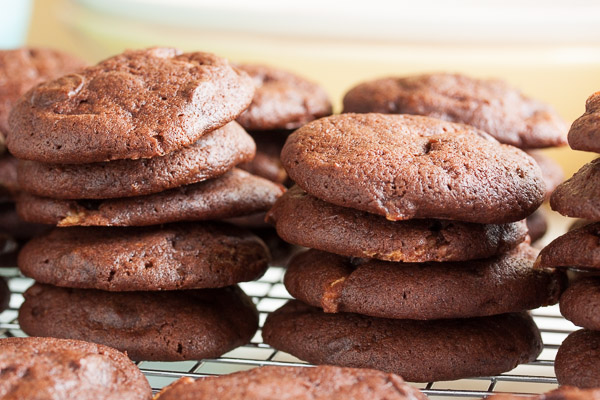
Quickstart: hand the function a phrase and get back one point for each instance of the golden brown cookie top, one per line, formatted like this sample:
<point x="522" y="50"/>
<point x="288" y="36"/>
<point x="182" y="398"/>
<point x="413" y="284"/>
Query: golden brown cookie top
<point x="408" y="166"/>
<point x="139" y="104"/>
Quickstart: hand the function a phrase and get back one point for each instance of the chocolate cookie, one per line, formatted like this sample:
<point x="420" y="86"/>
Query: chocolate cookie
<point x="577" y="361"/>
<point x="581" y="301"/>
<point x="423" y="291"/>
<point x="562" y="393"/>
<point x="489" y="105"/>
<point x="405" y="166"/>
<point x="166" y="325"/>
<point x="266" y="163"/>
<point x="537" y="225"/>
<point x="211" y="156"/>
<point x="552" y="172"/>
<point x="8" y="176"/>
<point x="179" y="256"/>
<point x="579" y="196"/>
<point x="419" y="351"/>
<point x="584" y="133"/>
<point x="59" y="369"/>
<point x="307" y="221"/>
<point x="297" y="383"/>
<point x="576" y="249"/>
<point x="282" y="100"/>
<point x="234" y="194"/>
<point x="139" y="104"/>
<point x="21" y="69"/>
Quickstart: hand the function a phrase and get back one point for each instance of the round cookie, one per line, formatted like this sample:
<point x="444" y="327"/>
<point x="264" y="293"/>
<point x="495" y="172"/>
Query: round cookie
<point x="537" y="225"/>
<point x="267" y="163"/>
<point x="423" y="291"/>
<point x="578" y="248"/>
<point x="579" y="196"/>
<point x="237" y="193"/>
<point x="405" y="166"/>
<point x="577" y="361"/>
<point x="21" y="69"/>
<point x="138" y="104"/>
<point x="214" y="154"/>
<point x="562" y="393"/>
<point x="170" y="257"/>
<point x="489" y="105"/>
<point x="60" y="369"/>
<point x="298" y="383"/>
<point x="419" y="351"/>
<point x="552" y="172"/>
<point x="584" y="132"/>
<point x="165" y="325"/>
<point x="307" y="221"/>
<point x="282" y="100"/>
<point x="580" y="303"/>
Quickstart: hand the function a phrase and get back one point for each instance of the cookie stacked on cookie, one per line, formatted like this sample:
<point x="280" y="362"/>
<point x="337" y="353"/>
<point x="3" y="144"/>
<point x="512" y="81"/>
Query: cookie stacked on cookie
<point x="283" y="101"/>
<point x="20" y="70"/>
<point x="489" y="105"/>
<point x="578" y="358"/>
<point x="133" y="159"/>
<point x="418" y="263"/>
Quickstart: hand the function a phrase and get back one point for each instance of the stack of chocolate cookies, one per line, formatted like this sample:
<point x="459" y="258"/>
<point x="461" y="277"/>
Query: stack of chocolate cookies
<point x="134" y="160"/>
<point x="489" y="105"/>
<point x="283" y="101"/>
<point x="419" y="263"/>
<point x="20" y="70"/>
<point x="578" y="358"/>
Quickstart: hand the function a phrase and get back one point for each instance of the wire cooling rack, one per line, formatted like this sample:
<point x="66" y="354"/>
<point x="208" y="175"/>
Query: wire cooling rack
<point x="269" y="294"/>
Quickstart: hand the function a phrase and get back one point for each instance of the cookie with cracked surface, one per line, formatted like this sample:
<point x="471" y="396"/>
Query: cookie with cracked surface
<point x="579" y="196"/>
<point x="304" y="220"/>
<point x="282" y="100"/>
<point x="585" y="131"/>
<point x="23" y="68"/>
<point x="446" y="349"/>
<point x="170" y="257"/>
<point x="299" y="383"/>
<point x="235" y="194"/>
<point x="581" y="301"/>
<point x="577" y="361"/>
<point x="407" y="166"/>
<point x="61" y="369"/>
<point x="212" y="155"/>
<point x="577" y="248"/>
<point x="552" y="172"/>
<point x="423" y="291"/>
<point x="164" y="326"/>
<point x="138" y="104"/>
<point x="490" y="105"/>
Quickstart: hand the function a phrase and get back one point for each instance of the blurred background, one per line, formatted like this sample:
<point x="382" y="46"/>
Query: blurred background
<point x="550" y="50"/>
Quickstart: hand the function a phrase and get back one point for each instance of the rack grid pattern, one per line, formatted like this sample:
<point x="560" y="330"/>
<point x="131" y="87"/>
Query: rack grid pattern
<point x="269" y="294"/>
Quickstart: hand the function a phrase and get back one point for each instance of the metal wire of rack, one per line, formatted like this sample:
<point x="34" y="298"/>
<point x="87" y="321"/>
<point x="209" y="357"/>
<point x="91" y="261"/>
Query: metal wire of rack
<point x="269" y="294"/>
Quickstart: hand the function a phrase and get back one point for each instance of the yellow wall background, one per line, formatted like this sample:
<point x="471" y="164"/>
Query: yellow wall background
<point x="563" y="76"/>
